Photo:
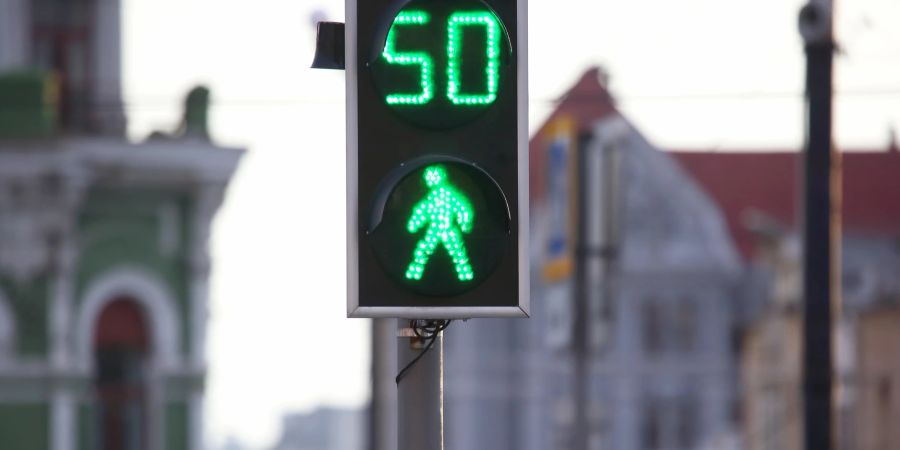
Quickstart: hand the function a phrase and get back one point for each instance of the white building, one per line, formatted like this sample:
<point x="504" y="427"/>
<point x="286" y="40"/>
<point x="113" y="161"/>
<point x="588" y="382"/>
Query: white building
<point x="323" y="429"/>
<point x="665" y="379"/>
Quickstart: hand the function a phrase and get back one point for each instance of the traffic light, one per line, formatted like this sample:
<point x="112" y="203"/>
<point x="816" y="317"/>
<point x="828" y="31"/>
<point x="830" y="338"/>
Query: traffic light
<point x="437" y="158"/>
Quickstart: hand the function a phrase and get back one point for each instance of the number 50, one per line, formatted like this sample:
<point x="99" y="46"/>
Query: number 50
<point x="456" y="23"/>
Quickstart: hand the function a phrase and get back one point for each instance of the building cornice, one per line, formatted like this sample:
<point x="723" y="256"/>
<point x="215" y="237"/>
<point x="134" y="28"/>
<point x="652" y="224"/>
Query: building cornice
<point x="190" y="161"/>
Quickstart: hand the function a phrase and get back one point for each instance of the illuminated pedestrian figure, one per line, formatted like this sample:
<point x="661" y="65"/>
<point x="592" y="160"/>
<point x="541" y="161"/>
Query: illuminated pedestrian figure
<point x="447" y="214"/>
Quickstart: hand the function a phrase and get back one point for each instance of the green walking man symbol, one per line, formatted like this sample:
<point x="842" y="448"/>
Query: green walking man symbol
<point x="447" y="214"/>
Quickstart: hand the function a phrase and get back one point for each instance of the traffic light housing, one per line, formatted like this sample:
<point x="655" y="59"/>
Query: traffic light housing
<point x="437" y="158"/>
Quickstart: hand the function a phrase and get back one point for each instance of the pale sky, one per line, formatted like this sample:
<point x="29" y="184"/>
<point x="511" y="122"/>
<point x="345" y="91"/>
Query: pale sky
<point x="700" y="74"/>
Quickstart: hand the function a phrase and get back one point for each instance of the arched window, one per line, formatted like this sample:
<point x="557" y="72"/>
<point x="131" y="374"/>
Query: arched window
<point x="121" y="346"/>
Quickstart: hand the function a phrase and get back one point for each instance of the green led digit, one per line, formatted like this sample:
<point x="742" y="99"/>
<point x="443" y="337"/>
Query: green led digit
<point x="447" y="214"/>
<point x="455" y="25"/>
<point x="423" y="60"/>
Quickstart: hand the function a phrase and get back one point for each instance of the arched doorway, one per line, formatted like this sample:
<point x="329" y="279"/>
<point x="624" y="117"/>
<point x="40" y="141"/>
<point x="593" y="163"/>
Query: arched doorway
<point x="121" y="349"/>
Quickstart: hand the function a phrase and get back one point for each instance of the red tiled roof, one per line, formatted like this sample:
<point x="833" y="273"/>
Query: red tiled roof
<point x="770" y="183"/>
<point x="740" y="182"/>
<point x="585" y="103"/>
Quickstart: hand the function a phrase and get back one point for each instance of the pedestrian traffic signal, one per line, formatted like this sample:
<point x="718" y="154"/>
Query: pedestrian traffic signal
<point x="442" y="229"/>
<point x="437" y="158"/>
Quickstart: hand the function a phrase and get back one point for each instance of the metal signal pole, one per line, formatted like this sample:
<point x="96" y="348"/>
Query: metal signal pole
<point x="597" y="245"/>
<point x="580" y="333"/>
<point x="821" y="228"/>
<point x="383" y="409"/>
<point x="419" y="390"/>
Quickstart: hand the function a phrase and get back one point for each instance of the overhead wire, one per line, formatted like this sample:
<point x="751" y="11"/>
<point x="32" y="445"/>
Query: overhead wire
<point x="162" y="103"/>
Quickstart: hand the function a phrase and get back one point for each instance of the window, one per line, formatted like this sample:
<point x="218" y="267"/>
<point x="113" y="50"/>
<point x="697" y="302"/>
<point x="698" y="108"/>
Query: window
<point x="684" y="324"/>
<point x="669" y="326"/>
<point x="773" y="417"/>
<point x="654" y="325"/>
<point x="121" y="346"/>
<point x="61" y="33"/>
<point x="670" y="422"/>
<point x="7" y="329"/>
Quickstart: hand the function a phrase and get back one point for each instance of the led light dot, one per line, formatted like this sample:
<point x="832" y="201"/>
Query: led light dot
<point x="452" y="216"/>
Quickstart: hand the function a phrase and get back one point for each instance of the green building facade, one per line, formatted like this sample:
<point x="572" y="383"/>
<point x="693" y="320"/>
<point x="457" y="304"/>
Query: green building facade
<point x="104" y="291"/>
<point x="103" y="243"/>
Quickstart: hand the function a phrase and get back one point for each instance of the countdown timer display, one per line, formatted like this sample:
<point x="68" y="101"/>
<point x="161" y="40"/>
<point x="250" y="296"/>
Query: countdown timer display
<point x="443" y="63"/>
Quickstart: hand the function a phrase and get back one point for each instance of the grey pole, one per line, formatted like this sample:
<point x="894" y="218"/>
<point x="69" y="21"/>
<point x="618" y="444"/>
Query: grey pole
<point x="604" y="211"/>
<point x="611" y="208"/>
<point x="383" y="409"/>
<point x="419" y="392"/>
<point x="821" y="228"/>
<point x="597" y="242"/>
<point x="580" y="389"/>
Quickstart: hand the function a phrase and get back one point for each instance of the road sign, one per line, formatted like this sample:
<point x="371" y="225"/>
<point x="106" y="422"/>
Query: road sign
<point x="561" y="206"/>
<point x="437" y="158"/>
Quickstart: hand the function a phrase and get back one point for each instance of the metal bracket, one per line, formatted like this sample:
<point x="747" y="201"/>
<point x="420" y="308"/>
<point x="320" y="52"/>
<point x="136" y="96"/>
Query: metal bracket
<point x="329" y="46"/>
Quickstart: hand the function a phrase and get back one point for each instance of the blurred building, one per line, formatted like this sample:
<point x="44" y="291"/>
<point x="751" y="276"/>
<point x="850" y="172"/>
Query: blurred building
<point x="660" y="360"/>
<point x="103" y="244"/>
<point x="689" y="262"/>
<point x="758" y="192"/>
<point x="875" y="404"/>
<point x="323" y="429"/>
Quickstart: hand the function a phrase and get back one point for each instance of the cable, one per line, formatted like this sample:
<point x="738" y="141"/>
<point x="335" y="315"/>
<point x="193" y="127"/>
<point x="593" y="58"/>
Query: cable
<point x="423" y="329"/>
